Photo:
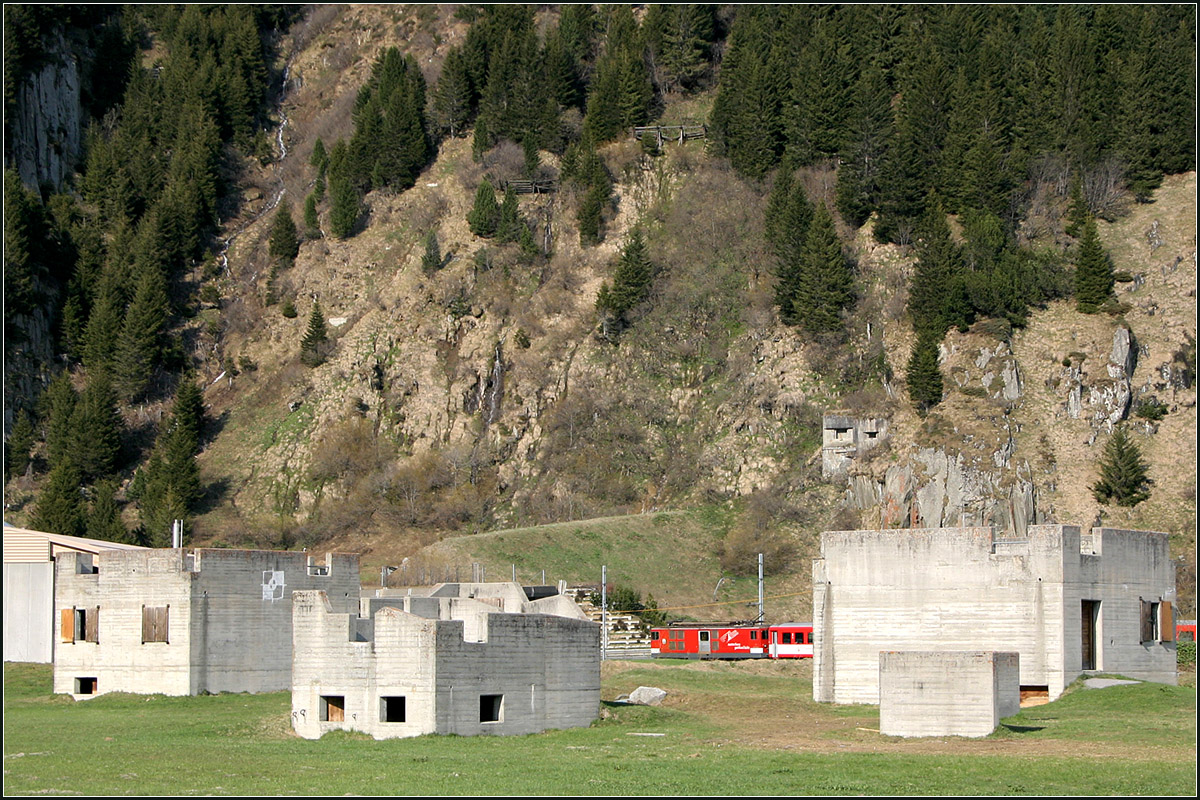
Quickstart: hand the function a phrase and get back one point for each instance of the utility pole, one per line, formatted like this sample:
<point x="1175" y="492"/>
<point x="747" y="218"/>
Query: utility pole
<point x="603" y="611"/>
<point x="760" y="588"/>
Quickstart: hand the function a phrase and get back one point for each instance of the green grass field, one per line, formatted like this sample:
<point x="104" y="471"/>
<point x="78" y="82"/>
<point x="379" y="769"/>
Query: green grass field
<point x="242" y="744"/>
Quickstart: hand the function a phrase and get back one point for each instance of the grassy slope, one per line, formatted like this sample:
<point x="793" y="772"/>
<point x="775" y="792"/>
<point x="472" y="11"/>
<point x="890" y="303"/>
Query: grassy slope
<point x="671" y="555"/>
<point x="241" y="744"/>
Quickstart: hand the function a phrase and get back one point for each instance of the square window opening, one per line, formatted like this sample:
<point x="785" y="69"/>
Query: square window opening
<point x="490" y="706"/>
<point x="391" y="709"/>
<point x="85" y="686"/>
<point x="333" y="708"/>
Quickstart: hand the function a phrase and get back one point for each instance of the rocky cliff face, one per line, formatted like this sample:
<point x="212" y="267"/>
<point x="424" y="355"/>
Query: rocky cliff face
<point x="496" y="368"/>
<point x="47" y="129"/>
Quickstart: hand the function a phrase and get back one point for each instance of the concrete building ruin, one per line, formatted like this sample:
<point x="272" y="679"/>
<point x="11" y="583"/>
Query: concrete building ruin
<point x="29" y="556"/>
<point x="185" y="622"/>
<point x="1066" y="601"/>
<point x="466" y="659"/>
<point x="845" y="438"/>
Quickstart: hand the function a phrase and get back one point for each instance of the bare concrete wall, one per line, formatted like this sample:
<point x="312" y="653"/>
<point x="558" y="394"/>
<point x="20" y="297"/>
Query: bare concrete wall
<point x="546" y="669"/>
<point x="29" y="612"/>
<point x="972" y="589"/>
<point x="228" y="618"/>
<point x="241" y="614"/>
<point x="1120" y="568"/>
<point x="923" y="693"/>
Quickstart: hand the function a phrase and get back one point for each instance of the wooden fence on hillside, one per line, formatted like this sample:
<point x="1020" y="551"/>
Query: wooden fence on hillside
<point x="672" y="133"/>
<point x="529" y="187"/>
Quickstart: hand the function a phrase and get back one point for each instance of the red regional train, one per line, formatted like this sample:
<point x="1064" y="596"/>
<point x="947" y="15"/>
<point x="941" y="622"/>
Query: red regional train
<point x="700" y="640"/>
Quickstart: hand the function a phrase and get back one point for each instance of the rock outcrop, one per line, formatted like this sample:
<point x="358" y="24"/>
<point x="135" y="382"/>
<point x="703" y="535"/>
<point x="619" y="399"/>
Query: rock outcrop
<point x="47" y="127"/>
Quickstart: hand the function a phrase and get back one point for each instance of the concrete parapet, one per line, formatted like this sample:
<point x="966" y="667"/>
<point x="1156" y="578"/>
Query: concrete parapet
<point x="950" y="693"/>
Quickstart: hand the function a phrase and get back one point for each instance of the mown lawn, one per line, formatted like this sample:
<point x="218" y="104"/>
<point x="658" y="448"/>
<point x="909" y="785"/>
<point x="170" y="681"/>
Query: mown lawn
<point x="242" y="744"/>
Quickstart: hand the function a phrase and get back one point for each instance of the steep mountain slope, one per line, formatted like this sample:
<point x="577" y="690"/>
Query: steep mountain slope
<point x="479" y="396"/>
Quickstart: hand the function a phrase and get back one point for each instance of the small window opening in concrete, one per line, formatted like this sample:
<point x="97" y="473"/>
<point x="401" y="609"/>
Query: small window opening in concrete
<point x="391" y="709"/>
<point x="1034" y="695"/>
<point x="85" y="686"/>
<point x="872" y="434"/>
<point x="333" y="708"/>
<point x="490" y="706"/>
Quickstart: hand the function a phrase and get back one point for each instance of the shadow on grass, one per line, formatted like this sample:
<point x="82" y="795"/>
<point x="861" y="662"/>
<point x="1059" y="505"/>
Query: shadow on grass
<point x="1023" y="728"/>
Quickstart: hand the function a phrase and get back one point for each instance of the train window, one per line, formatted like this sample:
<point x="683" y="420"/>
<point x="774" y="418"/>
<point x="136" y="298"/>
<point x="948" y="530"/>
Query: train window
<point x="753" y="634"/>
<point x="654" y="636"/>
<point x="787" y="638"/>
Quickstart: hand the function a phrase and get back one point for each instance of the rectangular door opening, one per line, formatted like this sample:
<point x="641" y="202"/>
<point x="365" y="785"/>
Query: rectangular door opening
<point x="1090" y="614"/>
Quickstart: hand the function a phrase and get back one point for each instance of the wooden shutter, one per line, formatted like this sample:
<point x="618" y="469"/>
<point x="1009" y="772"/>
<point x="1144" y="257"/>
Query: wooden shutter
<point x="92" y="625"/>
<point x="1147" y="622"/>
<point x="1166" y="622"/>
<point x="154" y="623"/>
<point x="67" y="629"/>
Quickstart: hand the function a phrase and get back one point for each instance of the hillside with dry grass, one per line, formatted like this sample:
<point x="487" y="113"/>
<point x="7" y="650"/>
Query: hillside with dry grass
<point x="479" y="397"/>
<point x="489" y="409"/>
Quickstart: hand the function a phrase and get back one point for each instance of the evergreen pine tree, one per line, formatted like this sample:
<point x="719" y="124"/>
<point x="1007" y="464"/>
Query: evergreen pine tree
<point x="790" y="232"/>
<point x="140" y="341"/>
<point x="59" y="507"/>
<point x="319" y="160"/>
<point x="688" y="32"/>
<point x="509" y="223"/>
<point x="285" y="241"/>
<point x="562" y="80"/>
<point x="431" y="261"/>
<point x="1093" y="271"/>
<point x="20" y="444"/>
<point x="344" y="200"/>
<point x="635" y="92"/>
<point x="931" y="295"/>
<point x="923" y="375"/>
<point x="103" y="329"/>
<point x="104" y="517"/>
<point x="188" y="410"/>
<point x="1124" y="478"/>
<point x="603" y="120"/>
<point x="860" y="176"/>
<point x="453" y="97"/>
<point x="96" y="429"/>
<point x="630" y="287"/>
<point x="58" y="404"/>
<point x="590" y="214"/>
<point x="816" y="118"/>
<point x="826" y="284"/>
<point x="312" y="346"/>
<point x="485" y="213"/>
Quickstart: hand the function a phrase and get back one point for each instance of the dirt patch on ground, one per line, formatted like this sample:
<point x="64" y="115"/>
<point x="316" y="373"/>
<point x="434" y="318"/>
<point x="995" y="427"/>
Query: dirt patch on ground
<point x="800" y="725"/>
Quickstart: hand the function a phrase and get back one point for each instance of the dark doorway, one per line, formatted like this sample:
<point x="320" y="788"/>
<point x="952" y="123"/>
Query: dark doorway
<point x="1090" y="615"/>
